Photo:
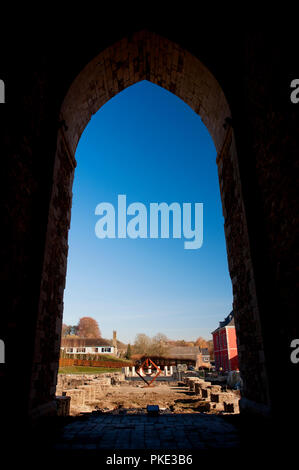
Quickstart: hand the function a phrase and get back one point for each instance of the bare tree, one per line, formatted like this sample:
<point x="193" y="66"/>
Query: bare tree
<point x="156" y="346"/>
<point x="159" y="346"/>
<point x="201" y="342"/>
<point x="211" y="349"/>
<point x="142" y="344"/>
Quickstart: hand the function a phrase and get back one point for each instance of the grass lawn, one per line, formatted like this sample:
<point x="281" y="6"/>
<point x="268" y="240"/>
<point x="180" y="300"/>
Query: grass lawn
<point x="99" y="357"/>
<point x="86" y="370"/>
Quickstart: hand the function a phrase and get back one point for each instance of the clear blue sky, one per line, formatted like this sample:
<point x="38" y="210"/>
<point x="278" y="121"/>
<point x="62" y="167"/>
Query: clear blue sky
<point x="148" y="144"/>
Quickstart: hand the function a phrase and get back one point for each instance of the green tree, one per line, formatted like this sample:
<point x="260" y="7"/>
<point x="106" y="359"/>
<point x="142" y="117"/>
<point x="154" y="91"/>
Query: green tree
<point x="69" y="330"/>
<point x="129" y="352"/>
<point x="66" y="330"/>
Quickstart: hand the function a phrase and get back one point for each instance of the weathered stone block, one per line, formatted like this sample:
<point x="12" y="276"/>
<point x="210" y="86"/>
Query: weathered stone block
<point x="231" y="407"/>
<point x="216" y="406"/>
<point x="77" y="397"/>
<point x="198" y="389"/>
<point x="63" y="405"/>
<point x="215" y="388"/>
<point x="192" y="381"/>
<point x="203" y="406"/>
<point x="218" y="397"/>
<point x="205" y="393"/>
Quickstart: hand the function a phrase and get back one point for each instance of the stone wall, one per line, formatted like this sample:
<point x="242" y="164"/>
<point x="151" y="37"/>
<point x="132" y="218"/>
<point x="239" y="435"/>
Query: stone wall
<point x="84" y="390"/>
<point x="213" y="397"/>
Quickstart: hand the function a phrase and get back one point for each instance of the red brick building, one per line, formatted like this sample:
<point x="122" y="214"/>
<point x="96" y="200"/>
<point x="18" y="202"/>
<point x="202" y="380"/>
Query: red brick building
<point x="225" y="345"/>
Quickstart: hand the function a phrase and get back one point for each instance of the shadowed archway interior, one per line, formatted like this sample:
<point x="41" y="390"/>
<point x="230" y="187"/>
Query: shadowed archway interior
<point x="147" y="56"/>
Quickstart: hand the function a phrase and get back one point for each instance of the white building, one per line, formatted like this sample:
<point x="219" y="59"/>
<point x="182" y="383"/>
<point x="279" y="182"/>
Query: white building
<point x="89" y="345"/>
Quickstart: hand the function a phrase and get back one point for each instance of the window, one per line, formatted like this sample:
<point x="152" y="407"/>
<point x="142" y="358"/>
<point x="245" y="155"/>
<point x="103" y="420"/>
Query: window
<point x="80" y="350"/>
<point x="95" y="350"/>
<point x="106" y="349"/>
<point x="69" y="350"/>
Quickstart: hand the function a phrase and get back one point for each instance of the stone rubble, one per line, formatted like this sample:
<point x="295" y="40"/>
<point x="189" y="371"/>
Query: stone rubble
<point x="214" y="396"/>
<point x="84" y="393"/>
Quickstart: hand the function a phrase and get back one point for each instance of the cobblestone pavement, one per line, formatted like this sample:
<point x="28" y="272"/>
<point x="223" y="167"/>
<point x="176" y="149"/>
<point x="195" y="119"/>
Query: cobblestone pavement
<point x="179" y="431"/>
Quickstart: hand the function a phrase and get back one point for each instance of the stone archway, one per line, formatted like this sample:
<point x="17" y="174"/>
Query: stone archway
<point x="146" y="56"/>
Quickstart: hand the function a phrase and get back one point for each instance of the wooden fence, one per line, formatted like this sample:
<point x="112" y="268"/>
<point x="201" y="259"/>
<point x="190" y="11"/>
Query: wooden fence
<point x="64" y="362"/>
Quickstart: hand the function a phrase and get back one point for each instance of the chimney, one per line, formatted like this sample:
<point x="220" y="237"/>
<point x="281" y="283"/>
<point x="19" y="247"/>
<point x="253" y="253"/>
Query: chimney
<point x="114" y="339"/>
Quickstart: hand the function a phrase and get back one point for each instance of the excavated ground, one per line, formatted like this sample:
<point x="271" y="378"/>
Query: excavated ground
<point x="134" y="398"/>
